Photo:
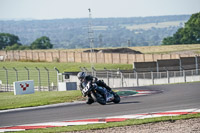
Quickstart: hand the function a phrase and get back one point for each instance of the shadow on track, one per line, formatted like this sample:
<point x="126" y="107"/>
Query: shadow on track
<point x="129" y="102"/>
<point x="134" y="102"/>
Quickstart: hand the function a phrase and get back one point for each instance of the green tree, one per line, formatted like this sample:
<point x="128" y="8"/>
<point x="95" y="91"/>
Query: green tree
<point x="42" y="43"/>
<point x="7" y="39"/>
<point x="17" y="47"/>
<point x="190" y="34"/>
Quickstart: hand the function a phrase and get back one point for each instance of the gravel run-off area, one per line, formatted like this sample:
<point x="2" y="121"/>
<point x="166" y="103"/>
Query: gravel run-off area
<point x="179" y="126"/>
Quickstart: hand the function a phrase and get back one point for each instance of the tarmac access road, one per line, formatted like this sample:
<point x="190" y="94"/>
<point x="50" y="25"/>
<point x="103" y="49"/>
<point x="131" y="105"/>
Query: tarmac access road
<point x="172" y="97"/>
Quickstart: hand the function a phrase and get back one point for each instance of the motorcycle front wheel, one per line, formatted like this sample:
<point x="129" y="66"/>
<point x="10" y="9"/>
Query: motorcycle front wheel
<point x="99" y="98"/>
<point x="116" y="97"/>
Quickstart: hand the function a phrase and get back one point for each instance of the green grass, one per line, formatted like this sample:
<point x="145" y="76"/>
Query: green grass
<point x="112" y="124"/>
<point x="11" y="101"/>
<point x="62" y="67"/>
<point x="68" y="67"/>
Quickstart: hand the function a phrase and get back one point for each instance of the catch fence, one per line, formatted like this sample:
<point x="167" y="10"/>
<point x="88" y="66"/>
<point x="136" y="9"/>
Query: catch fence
<point x="44" y="79"/>
<point x="118" y="78"/>
<point x="48" y="79"/>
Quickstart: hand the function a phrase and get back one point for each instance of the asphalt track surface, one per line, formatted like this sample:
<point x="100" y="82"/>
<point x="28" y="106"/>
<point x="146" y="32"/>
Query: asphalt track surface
<point x="171" y="97"/>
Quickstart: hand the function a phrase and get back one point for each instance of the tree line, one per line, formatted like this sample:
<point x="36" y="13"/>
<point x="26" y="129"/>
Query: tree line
<point x="108" y="32"/>
<point x="189" y="34"/>
<point x="12" y="42"/>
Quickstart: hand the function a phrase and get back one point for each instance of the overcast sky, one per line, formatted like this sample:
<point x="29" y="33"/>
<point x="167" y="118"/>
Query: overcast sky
<point x="55" y="9"/>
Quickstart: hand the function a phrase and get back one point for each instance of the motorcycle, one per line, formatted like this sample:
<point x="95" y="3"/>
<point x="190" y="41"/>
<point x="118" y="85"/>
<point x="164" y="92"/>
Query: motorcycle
<point x="99" y="94"/>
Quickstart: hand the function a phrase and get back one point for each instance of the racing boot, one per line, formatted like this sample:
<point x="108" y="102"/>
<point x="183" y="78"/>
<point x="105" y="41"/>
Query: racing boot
<point x="89" y="100"/>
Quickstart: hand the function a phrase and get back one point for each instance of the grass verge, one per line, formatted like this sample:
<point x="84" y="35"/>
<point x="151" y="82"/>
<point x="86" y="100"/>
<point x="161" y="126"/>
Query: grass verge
<point x="68" y="67"/>
<point x="33" y="73"/>
<point x="112" y="124"/>
<point x="11" y="101"/>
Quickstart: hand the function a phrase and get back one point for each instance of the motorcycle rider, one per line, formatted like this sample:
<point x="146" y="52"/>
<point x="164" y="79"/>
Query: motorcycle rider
<point x="83" y="77"/>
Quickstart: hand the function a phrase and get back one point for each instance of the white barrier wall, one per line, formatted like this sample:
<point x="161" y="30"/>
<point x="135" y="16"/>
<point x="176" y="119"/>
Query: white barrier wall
<point x="130" y="82"/>
<point x="64" y="86"/>
<point x="23" y="87"/>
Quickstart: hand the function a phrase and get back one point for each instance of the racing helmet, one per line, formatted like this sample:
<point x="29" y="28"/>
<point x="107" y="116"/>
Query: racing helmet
<point x="81" y="75"/>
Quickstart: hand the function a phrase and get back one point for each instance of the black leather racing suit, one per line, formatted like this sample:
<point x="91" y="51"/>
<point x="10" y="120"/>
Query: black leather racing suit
<point x="94" y="80"/>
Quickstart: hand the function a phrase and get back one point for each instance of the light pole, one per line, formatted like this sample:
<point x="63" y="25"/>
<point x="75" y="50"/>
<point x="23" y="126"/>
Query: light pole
<point x="91" y="38"/>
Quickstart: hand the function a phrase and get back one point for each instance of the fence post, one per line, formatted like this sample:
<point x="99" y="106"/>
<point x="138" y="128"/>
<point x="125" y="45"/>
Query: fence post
<point x="81" y="69"/>
<point x="184" y="75"/>
<point x="152" y="77"/>
<point x="16" y="73"/>
<point x="168" y="80"/>
<point x="180" y="65"/>
<point x="157" y="68"/>
<point x="39" y="81"/>
<point x="94" y="72"/>
<point x="197" y="65"/>
<point x="137" y="79"/>
<point x="6" y="77"/>
<point x="48" y="78"/>
<point x="107" y="75"/>
<point x="122" y="79"/>
<point x="27" y="72"/>
<point x="57" y="76"/>
<point x="136" y="76"/>
<point x="86" y="70"/>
